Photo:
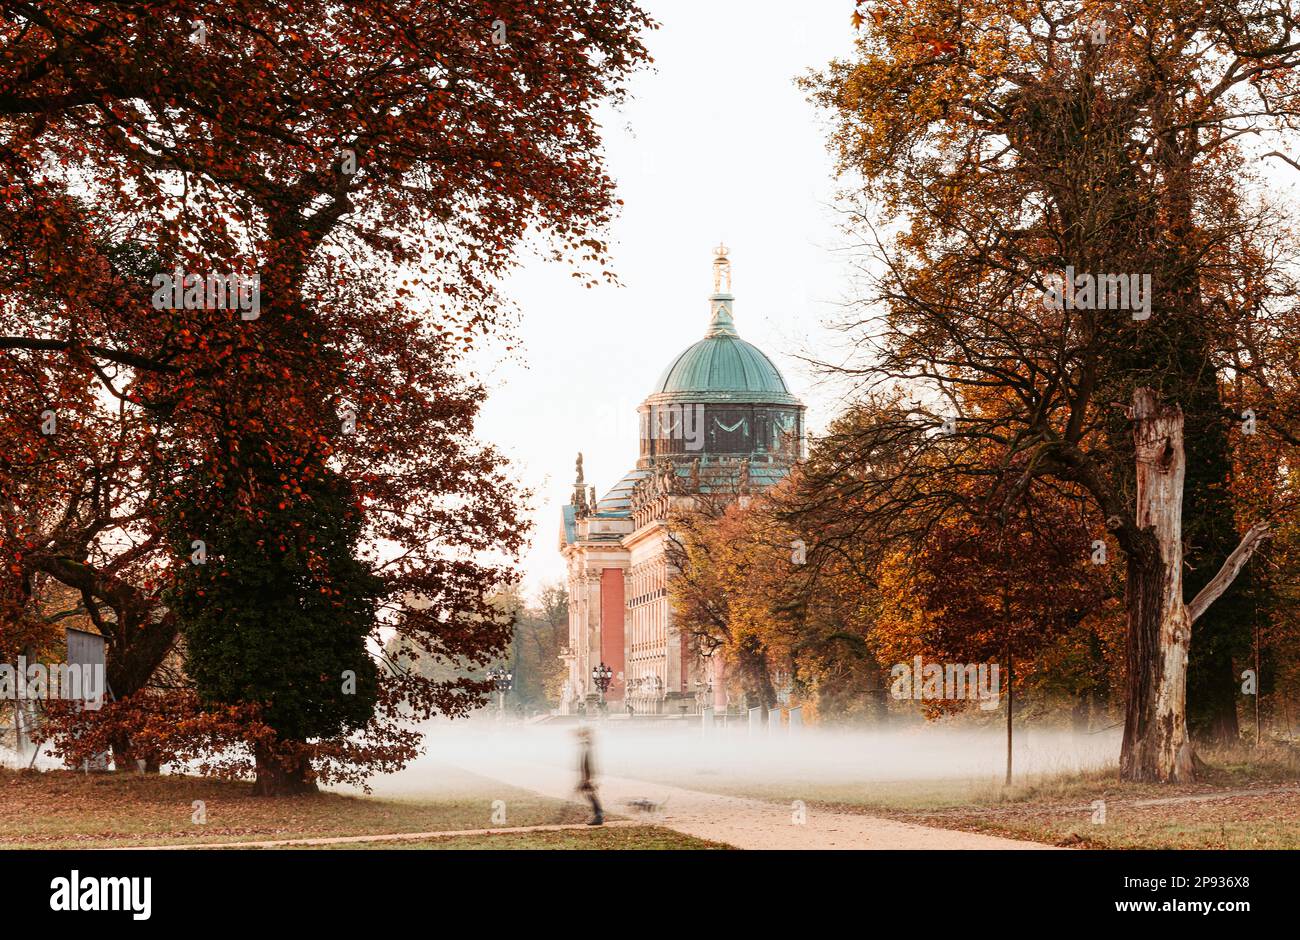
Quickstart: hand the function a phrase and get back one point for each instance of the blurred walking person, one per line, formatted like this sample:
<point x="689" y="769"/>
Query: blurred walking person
<point x="587" y="776"/>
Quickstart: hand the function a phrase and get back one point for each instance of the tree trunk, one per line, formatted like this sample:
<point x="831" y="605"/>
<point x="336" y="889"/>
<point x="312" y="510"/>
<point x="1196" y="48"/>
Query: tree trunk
<point x="1209" y="535"/>
<point x="1156" y="746"/>
<point x="120" y="744"/>
<point x="280" y="776"/>
<point x="1011" y="701"/>
<point x="1080" y="716"/>
<point x="1259" y="683"/>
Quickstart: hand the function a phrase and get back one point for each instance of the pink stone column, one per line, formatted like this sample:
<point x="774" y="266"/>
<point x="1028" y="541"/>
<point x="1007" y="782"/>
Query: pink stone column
<point x="612" y="608"/>
<point x="719" y="666"/>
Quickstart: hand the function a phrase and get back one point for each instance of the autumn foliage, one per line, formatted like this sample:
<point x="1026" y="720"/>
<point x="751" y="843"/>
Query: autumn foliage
<point x="377" y="167"/>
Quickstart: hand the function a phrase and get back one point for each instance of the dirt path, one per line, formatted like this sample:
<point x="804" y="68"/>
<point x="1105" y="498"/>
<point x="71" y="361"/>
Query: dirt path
<point x="744" y="823"/>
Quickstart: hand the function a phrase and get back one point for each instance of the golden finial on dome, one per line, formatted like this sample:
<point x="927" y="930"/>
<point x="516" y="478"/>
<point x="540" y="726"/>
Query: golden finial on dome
<point x="721" y="271"/>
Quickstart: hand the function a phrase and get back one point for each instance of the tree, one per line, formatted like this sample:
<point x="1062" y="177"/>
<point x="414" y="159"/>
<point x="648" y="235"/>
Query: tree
<point x="280" y="623"/>
<point x="377" y="169"/>
<point x="1019" y="151"/>
<point x="979" y="588"/>
<point x="951" y="578"/>
<point x="707" y="550"/>
<point x="541" y="633"/>
<point x="743" y="591"/>
<point x="815" y="613"/>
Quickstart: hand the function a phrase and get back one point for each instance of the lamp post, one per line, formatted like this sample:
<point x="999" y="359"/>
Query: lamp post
<point x="503" y="681"/>
<point x="602" y="676"/>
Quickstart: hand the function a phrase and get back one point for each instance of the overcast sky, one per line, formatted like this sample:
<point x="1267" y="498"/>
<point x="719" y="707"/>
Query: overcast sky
<point x="715" y="143"/>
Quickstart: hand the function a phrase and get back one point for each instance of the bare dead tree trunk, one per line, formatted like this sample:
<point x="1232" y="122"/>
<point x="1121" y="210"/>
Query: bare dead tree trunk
<point x="1156" y="745"/>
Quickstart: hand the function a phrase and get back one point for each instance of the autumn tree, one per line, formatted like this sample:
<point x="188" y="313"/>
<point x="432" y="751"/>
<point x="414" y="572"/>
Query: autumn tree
<point x="815" y="612"/>
<point x="948" y="579"/>
<point x="376" y="169"/>
<point x="281" y="621"/>
<point x="744" y="590"/>
<point x="1016" y="146"/>
<point x="1008" y="588"/>
<point x="541" y="633"/>
<point x="709" y="550"/>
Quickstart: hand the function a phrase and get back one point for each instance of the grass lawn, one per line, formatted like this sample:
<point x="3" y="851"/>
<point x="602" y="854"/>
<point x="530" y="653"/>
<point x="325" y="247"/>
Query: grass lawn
<point x="1241" y="800"/>
<point x="66" y="809"/>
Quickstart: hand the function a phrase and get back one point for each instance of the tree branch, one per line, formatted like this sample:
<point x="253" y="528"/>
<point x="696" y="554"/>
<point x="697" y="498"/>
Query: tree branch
<point x="1228" y="573"/>
<point x="120" y="356"/>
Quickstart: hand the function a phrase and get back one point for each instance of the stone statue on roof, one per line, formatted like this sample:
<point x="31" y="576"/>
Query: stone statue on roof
<point x="579" y="498"/>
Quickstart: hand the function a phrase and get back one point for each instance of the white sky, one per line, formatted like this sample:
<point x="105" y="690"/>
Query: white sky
<point x="715" y="143"/>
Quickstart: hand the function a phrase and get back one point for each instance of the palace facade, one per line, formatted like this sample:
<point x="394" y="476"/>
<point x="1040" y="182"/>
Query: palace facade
<point x="720" y="420"/>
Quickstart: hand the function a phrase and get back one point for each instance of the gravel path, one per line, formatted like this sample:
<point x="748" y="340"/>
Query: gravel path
<point x="740" y="822"/>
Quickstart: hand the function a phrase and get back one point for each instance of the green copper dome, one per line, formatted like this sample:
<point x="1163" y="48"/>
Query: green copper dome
<point x="723" y="364"/>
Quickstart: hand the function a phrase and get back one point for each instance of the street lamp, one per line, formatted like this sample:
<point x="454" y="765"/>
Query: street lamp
<point x="602" y="676"/>
<point x="503" y="681"/>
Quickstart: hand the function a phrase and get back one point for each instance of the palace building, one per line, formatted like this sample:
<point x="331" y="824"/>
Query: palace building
<point x="720" y="420"/>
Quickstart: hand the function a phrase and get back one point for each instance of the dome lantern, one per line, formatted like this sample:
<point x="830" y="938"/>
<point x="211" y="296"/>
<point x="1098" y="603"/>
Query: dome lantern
<point x="721" y="322"/>
<point x="721" y="271"/>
